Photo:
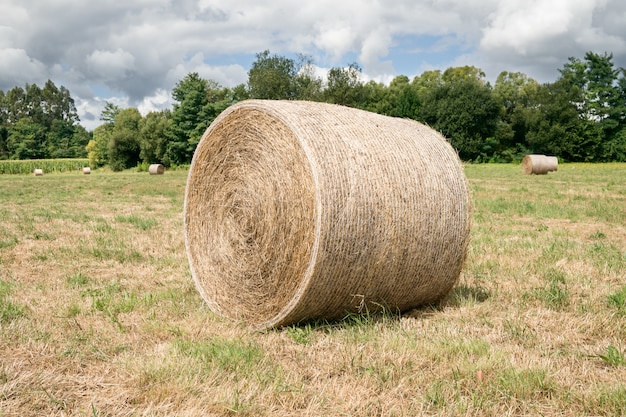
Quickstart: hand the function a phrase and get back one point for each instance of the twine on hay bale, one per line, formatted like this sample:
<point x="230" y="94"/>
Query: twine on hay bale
<point x="156" y="169"/>
<point x="298" y="210"/>
<point x="38" y="172"/>
<point x="539" y="164"/>
<point x="86" y="171"/>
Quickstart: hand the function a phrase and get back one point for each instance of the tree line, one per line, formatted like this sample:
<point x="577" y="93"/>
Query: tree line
<point x="579" y="117"/>
<point x="38" y="123"/>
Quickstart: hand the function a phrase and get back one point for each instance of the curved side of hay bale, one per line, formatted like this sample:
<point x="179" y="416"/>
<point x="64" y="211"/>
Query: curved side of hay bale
<point x="86" y="171"/>
<point x="156" y="169"/>
<point x="539" y="164"/>
<point x="299" y="210"/>
<point x="38" y="172"/>
<point x="552" y="162"/>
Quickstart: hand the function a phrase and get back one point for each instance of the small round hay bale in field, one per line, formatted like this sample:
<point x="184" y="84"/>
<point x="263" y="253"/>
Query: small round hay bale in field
<point x="539" y="164"/>
<point x="38" y="172"/>
<point x="156" y="169"/>
<point x="86" y="170"/>
<point x="298" y="210"/>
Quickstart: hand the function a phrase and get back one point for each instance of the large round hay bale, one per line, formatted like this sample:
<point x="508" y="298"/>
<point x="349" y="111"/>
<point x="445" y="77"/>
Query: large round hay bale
<point x="539" y="164"/>
<point x="38" y="172"/>
<point x="86" y="171"/>
<point x="156" y="169"/>
<point x="297" y="210"/>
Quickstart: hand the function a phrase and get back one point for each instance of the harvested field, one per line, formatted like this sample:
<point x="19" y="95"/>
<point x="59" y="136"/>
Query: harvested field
<point x="99" y="314"/>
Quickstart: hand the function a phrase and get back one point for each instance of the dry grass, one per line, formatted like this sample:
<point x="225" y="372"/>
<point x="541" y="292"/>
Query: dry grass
<point x="99" y="315"/>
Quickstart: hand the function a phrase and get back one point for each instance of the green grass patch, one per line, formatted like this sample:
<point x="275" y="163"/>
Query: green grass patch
<point x="228" y="355"/>
<point x="613" y="356"/>
<point x="9" y="311"/>
<point x="140" y="222"/>
<point x="617" y="300"/>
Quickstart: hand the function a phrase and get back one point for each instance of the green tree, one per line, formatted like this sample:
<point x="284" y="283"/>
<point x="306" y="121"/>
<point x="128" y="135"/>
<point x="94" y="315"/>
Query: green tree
<point x="124" y="146"/>
<point x="16" y="105"/>
<point x="109" y="113"/>
<point x="78" y="143"/>
<point x="26" y="140"/>
<point x="376" y="98"/>
<point x="152" y="136"/>
<point x="344" y="86"/>
<point x="189" y="119"/>
<point x="600" y="102"/>
<point x="45" y="119"/>
<point x="516" y="94"/>
<point x="463" y="109"/>
<point x="555" y="127"/>
<point x="4" y="133"/>
<point x="307" y="85"/>
<point x="273" y="77"/>
<point x="98" y="147"/>
<point x="403" y="98"/>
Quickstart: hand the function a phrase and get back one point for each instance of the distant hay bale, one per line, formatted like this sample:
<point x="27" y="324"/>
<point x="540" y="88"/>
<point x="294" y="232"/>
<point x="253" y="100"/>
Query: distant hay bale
<point x="38" y="172"/>
<point x="86" y="170"/>
<point x="539" y="164"/>
<point x="298" y="210"/>
<point x="156" y="169"/>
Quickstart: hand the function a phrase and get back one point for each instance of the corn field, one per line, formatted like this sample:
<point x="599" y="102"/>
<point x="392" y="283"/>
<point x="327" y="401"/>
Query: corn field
<point x="47" y="165"/>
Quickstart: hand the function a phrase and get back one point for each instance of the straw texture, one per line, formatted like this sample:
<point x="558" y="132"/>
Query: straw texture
<point x="299" y="210"/>
<point x="156" y="169"/>
<point x="539" y="164"/>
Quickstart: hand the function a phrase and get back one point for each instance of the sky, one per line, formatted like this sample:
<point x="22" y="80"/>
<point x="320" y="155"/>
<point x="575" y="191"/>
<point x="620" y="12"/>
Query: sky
<point x="133" y="52"/>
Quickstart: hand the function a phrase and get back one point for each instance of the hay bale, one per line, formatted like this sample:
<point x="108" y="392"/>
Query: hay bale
<point x="298" y="210"/>
<point x="86" y="171"/>
<point x="38" y="172"/>
<point x="156" y="169"/>
<point x="539" y="164"/>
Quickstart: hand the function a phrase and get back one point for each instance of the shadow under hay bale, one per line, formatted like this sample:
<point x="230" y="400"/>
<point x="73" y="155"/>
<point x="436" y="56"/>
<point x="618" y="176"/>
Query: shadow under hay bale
<point x="299" y="210"/>
<point x="539" y="164"/>
<point x="156" y="169"/>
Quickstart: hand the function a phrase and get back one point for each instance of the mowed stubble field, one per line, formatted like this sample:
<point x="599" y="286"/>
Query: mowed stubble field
<point x="99" y="315"/>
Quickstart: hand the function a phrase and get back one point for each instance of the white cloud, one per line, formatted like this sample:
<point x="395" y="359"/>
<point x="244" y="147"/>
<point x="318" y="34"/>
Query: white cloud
<point x="139" y="49"/>
<point x="110" y="64"/>
<point x="16" y="65"/>
<point x="160" y="100"/>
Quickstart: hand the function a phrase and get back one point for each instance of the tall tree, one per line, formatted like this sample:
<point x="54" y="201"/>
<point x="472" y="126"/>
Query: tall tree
<point x="98" y="146"/>
<point x="344" y="86"/>
<point x="462" y="107"/>
<point x="188" y="119"/>
<point x="555" y="127"/>
<point x="272" y="77"/>
<point x="403" y="98"/>
<point x="307" y="85"/>
<point x="26" y="140"/>
<point x="124" y="146"/>
<point x="4" y="133"/>
<point x="599" y="102"/>
<point x="152" y="136"/>
<point x="516" y="94"/>
<point x="109" y="113"/>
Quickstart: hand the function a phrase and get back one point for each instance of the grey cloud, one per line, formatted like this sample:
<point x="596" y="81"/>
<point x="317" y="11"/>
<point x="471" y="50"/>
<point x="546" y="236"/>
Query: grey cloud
<point x="138" y="49"/>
